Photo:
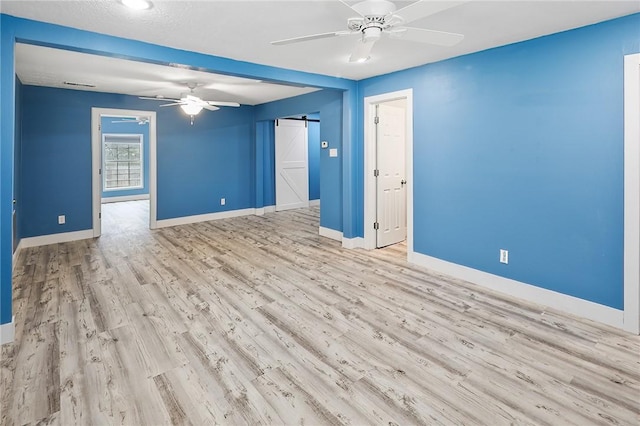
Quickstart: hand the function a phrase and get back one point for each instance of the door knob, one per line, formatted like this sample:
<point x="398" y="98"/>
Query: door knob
<point x="403" y="182"/>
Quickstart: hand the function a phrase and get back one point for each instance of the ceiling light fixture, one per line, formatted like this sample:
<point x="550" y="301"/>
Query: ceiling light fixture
<point x="191" y="109"/>
<point x="137" y="4"/>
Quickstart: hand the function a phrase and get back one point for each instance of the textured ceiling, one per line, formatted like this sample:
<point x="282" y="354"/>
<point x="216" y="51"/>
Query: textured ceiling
<point x="243" y="29"/>
<point x="43" y="66"/>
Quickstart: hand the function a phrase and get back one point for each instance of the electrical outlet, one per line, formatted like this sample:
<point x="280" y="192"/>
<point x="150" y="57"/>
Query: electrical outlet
<point x="504" y="256"/>
<point x="62" y="219"/>
<point x="223" y="201"/>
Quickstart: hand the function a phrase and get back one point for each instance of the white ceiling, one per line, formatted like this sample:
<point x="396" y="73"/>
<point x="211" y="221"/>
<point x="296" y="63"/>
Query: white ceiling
<point x="242" y="30"/>
<point x="44" y="66"/>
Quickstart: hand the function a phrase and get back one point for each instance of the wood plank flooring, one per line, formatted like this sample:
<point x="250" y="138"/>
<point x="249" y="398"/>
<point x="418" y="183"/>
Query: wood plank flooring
<point x="258" y="320"/>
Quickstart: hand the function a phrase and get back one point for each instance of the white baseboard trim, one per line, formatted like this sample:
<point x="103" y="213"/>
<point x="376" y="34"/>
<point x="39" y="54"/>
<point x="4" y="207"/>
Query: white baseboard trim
<point x="63" y="237"/>
<point x="185" y="220"/>
<point x="530" y="293"/>
<point x="266" y="209"/>
<point x="8" y="331"/>
<point x="124" y="198"/>
<point x="352" y="243"/>
<point x="330" y="233"/>
<point x="314" y="203"/>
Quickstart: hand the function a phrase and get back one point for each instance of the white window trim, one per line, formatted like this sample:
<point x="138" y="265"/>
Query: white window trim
<point x="104" y="168"/>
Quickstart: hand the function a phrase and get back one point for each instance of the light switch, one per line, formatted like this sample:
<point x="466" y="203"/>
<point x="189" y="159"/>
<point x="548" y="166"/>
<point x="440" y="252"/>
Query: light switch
<point x="333" y="152"/>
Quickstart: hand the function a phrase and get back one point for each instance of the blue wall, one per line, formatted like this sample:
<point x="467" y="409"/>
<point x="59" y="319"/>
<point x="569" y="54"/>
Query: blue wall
<point x="197" y="165"/>
<point x="313" y="134"/>
<point x="521" y="148"/>
<point x="330" y="107"/>
<point x="109" y="127"/>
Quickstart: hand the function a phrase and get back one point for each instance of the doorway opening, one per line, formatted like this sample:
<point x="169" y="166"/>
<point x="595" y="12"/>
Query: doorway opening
<point x="297" y="162"/>
<point x="123" y="149"/>
<point x="388" y="157"/>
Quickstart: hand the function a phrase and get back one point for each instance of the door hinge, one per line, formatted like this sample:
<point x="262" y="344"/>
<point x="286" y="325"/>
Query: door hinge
<point x="100" y="215"/>
<point x="376" y="173"/>
<point x="376" y="225"/>
<point x="99" y="171"/>
<point x="277" y="123"/>
<point x="376" y="120"/>
<point x="99" y="127"/>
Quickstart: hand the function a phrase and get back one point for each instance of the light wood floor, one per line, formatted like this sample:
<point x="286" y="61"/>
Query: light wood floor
<point x="258" y="320"/>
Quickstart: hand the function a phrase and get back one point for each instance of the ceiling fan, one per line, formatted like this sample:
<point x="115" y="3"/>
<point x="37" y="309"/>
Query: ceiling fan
<point x="378" y="17"/>
<point x="140" y="120"/>
<point x="192" y="104"/>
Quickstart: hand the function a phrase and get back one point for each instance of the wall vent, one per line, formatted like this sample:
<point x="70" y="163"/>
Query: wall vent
<point x="72" y="83"/>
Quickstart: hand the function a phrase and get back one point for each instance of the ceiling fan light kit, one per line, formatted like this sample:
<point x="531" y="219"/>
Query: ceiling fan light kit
<point x="191" y="109"/>
<point x="192" y="104"/>
<point x="380" y="17"/>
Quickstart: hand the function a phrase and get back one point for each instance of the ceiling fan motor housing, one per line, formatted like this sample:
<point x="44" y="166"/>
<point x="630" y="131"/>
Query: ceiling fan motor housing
<point x="371" y="33"/>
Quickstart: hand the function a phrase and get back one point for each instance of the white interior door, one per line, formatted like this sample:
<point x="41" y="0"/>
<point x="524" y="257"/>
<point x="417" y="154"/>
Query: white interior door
<point x="391" y="209"/>
<point x="292" y="168"/>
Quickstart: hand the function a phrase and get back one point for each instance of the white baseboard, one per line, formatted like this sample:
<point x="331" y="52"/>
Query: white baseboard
<point x="352" y="243"/>
<point x="124" y="198"/>
<point x="330" y="233"/>
<point x="63" y="237"/>
<point x="314" y="203"/>
<point x="562" y="302"/>
<point x="185" y="220"/>
<point x="8" y="331"/>
<point x="266" y="209"/>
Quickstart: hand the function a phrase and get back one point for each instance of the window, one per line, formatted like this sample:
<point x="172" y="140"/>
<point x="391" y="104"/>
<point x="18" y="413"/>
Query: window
<point x="121" y="162"/>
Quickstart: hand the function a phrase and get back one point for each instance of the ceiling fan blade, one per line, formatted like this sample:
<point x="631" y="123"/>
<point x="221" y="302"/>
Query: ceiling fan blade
<point x="362" y="50"/>
<point x="424" y="8"/>
<point x="157" y="98"/>
<point x="172" y="104"/>
<point x="221" y="103"/>
<point x="210" y="107"/>
<point x="312" y="37"/>
<point x="421" y="35"/>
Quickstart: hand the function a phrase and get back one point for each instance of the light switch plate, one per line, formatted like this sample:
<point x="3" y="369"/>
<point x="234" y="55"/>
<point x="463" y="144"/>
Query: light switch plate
<point x="333" y="152"/>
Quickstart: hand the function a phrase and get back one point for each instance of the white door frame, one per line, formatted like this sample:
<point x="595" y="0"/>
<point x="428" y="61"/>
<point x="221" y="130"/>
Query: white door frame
<point x="370" y="103"/>
<point x="631" y="317"/>
<point x="96" y="162"/>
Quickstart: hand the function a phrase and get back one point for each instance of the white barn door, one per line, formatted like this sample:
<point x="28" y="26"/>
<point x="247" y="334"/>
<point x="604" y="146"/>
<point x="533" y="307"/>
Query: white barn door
<point x="391" y="180"/>
<point x="292" y="168"/>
